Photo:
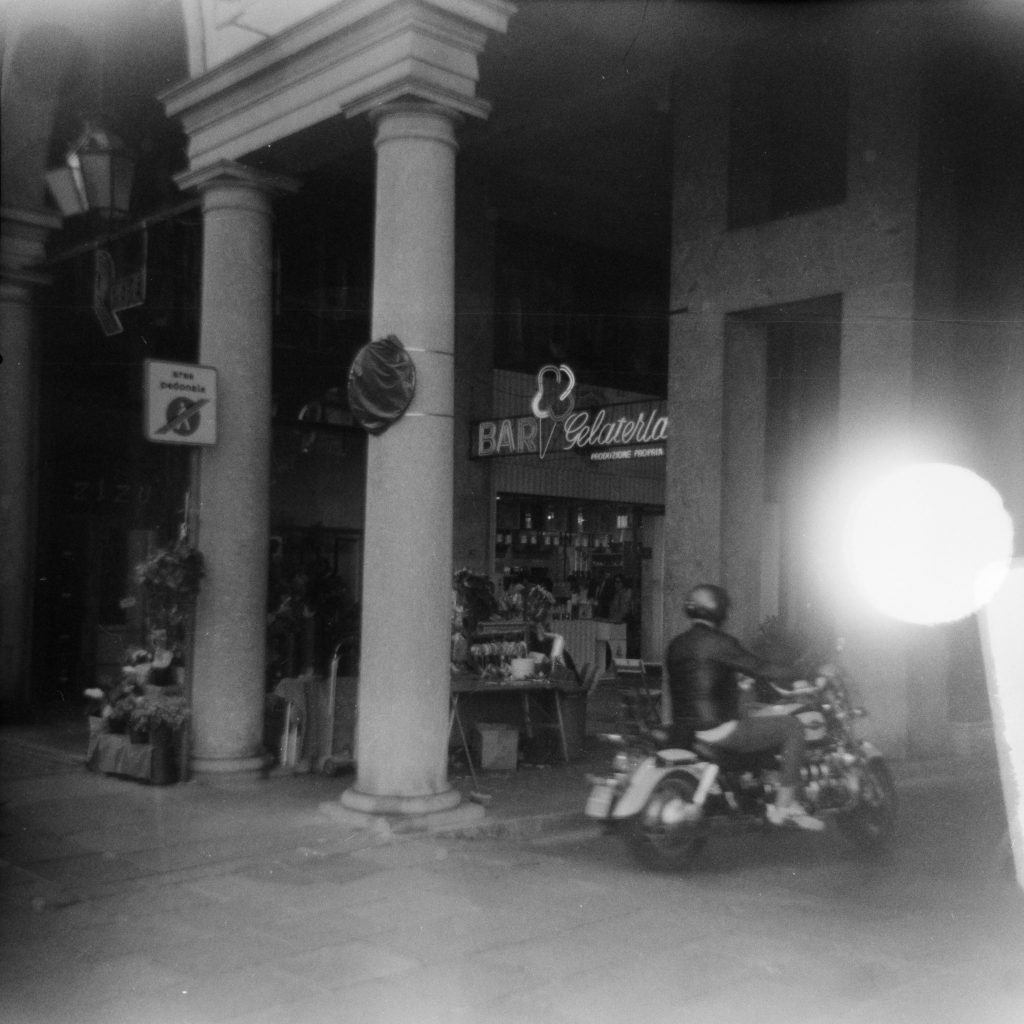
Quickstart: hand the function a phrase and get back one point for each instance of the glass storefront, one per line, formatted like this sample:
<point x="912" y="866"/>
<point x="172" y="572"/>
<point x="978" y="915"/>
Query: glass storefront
<point x="590" y="554"/>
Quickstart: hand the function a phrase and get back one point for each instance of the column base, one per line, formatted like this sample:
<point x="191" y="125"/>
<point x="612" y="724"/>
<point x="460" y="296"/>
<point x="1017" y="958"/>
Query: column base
<point x="388" y="818"/>
<point x="369" y="803"/>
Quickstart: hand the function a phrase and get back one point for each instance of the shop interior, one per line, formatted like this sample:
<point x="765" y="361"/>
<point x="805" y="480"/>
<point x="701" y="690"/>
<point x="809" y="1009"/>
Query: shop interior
<point x="573" y="548"/>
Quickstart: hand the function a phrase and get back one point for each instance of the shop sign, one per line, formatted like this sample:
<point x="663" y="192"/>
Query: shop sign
<point x="608" y="433"/>
<point x="180" y="403"/>
<point x="119" y="280"/>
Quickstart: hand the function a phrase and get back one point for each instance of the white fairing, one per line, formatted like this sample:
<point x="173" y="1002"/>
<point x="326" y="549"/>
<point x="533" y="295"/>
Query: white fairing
<point x="642" y="784"/>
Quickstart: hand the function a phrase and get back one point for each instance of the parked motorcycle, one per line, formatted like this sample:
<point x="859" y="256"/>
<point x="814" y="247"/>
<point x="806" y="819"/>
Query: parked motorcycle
<point x="666" y="800"/>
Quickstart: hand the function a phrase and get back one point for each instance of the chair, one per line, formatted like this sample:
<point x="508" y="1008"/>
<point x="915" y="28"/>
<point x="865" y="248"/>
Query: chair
<point x="639" y="689"/>
<point x="602" y="702"/>
<point x="587" y="677"/>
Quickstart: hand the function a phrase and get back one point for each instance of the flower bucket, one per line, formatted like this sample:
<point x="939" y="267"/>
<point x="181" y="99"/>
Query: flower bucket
<point x="164" y="764"/>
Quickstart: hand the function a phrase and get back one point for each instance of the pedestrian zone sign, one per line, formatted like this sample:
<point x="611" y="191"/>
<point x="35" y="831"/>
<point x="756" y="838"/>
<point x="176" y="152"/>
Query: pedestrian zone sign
<point x="180" y="403"/>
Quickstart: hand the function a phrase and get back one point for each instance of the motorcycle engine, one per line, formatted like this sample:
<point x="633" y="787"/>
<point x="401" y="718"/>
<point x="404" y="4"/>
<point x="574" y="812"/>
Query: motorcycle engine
<point x="828" y="782"/>
<point x="815" y="727"/>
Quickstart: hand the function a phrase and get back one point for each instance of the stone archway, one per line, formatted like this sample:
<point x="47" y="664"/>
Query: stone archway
<point x="53" y="74"/>
<point x="35" y="63"/>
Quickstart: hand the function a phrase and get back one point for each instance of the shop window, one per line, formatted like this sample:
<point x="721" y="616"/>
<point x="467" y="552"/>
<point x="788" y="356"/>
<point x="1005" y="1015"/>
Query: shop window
<point x="313" y="601"/>
<point x="322" y="285"/>
<point x="787" y="133"/>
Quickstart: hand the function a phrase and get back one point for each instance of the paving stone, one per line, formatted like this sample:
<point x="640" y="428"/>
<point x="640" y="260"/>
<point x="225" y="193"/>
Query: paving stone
<point x="407" y="853"/>
<point x="379" y="1001"/>
<point x="462" y="985"/>
<point x="86" y="983"/>
<point x="329" y="927"/>
<point x="237" y="993"/>
<point x="347" y="964"/>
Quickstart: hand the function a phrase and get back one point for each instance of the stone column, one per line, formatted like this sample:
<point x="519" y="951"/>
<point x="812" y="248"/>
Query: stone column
<point x="693" y="466"/>
<point x="404" y="678"/>
<point x="744" y="412"/>
<point x="234" y="475"/>
<point x="21" y="246"/>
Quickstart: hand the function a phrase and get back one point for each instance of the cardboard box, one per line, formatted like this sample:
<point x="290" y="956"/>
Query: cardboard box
<point x="495" y="746"/>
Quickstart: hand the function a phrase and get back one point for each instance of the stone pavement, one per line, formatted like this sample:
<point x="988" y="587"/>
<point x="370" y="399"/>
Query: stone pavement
<point x="246" y="901"/>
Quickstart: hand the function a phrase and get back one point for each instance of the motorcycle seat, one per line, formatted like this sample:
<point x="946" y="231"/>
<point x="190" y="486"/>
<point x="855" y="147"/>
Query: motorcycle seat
<point x="676" y="755"/>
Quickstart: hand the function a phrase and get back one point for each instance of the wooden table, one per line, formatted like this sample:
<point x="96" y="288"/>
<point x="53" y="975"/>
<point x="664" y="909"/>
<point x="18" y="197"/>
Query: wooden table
<point x="535" y="716"/>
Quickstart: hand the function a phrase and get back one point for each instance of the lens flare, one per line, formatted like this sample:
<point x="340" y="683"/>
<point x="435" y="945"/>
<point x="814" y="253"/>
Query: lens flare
<point x="928" y="543"/>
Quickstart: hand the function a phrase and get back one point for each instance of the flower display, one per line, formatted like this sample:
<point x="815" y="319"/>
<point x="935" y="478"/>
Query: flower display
<point x="169" y="580"/>
<point x="151" y="712"/>
<point x="537" y="603"/>
<point x="491" y="651"/>
<point x="120" y="702"/>
<point x="473" y="600"/>
<point x="133" y="703"/>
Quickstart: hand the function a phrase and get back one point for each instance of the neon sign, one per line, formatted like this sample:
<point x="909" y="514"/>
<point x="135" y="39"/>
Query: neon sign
<point x="613" y="432"/>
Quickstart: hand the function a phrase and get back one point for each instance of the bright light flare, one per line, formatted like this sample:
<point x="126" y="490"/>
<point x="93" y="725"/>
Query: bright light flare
<point x="928" y="543"/>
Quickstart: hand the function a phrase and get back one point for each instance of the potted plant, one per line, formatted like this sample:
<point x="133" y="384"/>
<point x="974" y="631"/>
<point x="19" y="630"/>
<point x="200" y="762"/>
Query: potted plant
<point x="162" y="718"/>
<point x="309" y="610"/>
<point x="159" y="716"/>
<point x="138" y="728"/>
<point x="121" y="702"/>
<point x="474" y="600"/>
<point x="169" y="579"/>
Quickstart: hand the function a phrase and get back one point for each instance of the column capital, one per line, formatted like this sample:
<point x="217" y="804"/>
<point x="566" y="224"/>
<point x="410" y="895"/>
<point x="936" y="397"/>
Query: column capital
<point x="408" y="119"/>
<point x="419" y="93"/>
<point x="23" y="235"/>
<point x="351" y="57"/>
<point x="228" y="173"/>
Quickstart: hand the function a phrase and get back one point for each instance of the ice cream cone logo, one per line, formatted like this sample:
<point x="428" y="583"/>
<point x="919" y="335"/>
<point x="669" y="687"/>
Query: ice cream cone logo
<point x="552" y="401"/>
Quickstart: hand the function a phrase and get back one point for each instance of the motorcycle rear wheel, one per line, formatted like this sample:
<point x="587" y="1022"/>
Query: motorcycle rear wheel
<point x="871" y="824"/>
<point x="660" y="846"/>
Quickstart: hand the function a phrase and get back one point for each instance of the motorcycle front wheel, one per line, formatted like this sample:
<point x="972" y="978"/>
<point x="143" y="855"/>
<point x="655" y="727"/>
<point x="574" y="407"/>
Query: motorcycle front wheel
<point x="871" y="823"/>
<point x="668" y="847"/>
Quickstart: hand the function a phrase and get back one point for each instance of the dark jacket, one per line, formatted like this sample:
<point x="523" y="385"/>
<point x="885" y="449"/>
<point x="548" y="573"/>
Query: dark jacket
<point x="702" y="665"/>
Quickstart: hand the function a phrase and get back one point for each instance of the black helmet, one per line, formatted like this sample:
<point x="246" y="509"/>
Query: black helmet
<point x="708" y="603"/>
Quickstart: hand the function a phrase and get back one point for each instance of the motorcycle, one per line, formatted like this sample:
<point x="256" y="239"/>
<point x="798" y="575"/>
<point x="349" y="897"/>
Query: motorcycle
<point x="665" y="800"/>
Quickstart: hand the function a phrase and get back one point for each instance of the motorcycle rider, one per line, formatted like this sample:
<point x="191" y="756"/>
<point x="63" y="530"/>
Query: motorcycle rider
<point x="702" y="665"/>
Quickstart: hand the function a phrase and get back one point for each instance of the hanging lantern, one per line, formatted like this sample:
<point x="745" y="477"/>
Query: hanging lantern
<point x="96" y="176"/>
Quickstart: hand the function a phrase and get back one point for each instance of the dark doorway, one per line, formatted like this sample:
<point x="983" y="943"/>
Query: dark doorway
<point x="802" y="362"/>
